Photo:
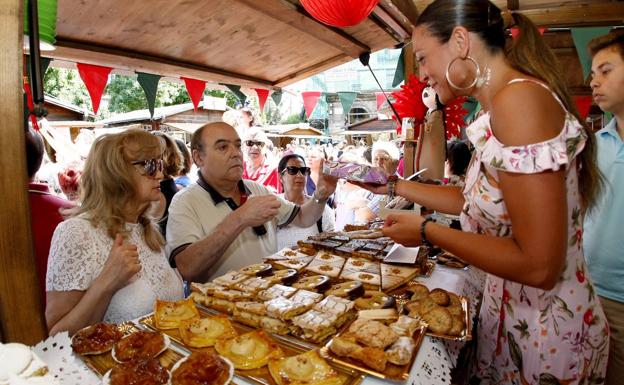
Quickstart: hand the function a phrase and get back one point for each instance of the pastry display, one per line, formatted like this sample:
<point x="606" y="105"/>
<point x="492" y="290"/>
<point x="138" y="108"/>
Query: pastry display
<point x="249" y="351"/>
<point x="316" y="283"/>
<point x="169" y="315"/>
<point x="289" y="259"/>
<point x="141" y="344"/>
<point x="201" y="368"/>
<point x="229" y="279"/>
<point x="276" y="291"/>
<point x="285" y="308"/>
<point x="253" y="285"/>
<point x="400" y="352"/>
<point x="349" y="289"/>
<point x="306" y="297"/>
<point x="259" y="269"/>
<point x="441" y="310"/>
<point x="207" y="288"/>
<point x="372" y="333"/>
<point x="96" y="339"/>
<point x="204" y="332"/>
<point x="284" y="276"/>
<point x="315" y="326"/>
<point x="148" y="371"/>
<point x="305" y="369"/>
<point x="374" y="300"/>
<point x="393" y="276"/>
<point x="326" y="264"/>
<point x="367" y="272"/>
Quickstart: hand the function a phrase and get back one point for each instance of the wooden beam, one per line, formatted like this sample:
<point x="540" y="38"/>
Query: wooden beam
<point x="310" y="71"/>
<point x="21" y="312"/>
<point x="296" y="17"/>
<point x="513" y="5"/>
<point x="611" y="13"/>
<point x="404" y="11"/>
<point x="134" y="61"/>
<point x="389" y="23"/>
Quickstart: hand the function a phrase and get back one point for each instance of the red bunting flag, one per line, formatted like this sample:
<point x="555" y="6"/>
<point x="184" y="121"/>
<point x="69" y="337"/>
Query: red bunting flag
<point x="381" y="99"/>
<point x="516" y="31"/>
<point x="95" y="79"/>
<point x="262" y="97"/>
<point x="583" y="104"/>
<point x="310" y="98"/>
<point x="195" y="89"/>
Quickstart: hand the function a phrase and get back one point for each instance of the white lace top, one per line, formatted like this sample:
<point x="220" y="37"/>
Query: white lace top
<point x="78" y="253"/>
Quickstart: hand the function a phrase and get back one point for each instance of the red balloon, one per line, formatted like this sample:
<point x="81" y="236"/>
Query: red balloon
<point x="339" y="13"/>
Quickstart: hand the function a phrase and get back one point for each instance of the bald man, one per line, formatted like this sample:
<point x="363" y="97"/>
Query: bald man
<point x="223" y="222"/>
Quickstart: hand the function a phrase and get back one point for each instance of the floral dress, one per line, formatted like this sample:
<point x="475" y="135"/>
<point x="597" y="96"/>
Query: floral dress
<point x="528" y="335"/>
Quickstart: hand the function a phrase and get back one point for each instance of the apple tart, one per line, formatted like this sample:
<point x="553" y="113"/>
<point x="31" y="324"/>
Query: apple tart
<point x="249" y="351"/>
<point x="96" y="339"/>
<point x="140" y="345"/>
<point x="204" y="332"/>
<point x="145" y="372"/>
<point x="202" y="368"/>
<point x="305" y="369"/>
<point x="169" y="315"/>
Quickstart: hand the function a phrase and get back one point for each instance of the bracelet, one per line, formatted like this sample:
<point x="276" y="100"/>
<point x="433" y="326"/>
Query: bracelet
<point x="423" y="235"/>
<point x="318" y="200"/>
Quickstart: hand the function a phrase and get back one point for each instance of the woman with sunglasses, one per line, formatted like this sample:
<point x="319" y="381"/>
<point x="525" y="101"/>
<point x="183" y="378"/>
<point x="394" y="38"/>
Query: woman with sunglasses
<point x="258" y="167"/>
<point x="293" y="174"/>
<point x="107" y="261"/>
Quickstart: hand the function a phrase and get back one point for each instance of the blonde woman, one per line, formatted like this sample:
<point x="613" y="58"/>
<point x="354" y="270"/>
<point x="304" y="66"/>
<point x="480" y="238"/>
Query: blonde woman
<point x="107" y="261"/>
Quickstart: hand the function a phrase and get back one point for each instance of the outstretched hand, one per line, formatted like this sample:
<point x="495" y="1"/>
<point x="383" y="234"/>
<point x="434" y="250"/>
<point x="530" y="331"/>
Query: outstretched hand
<point x="404" y="228"/>
<point x="380" y="189"/>
<point x="326" y="183"/>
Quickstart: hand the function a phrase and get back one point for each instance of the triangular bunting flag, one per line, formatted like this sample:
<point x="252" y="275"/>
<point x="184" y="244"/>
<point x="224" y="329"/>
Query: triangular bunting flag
<point x="237" y="92"/>
<point x="583" y="104"/>
<point x="321" y="111"/>
<point x="277" y="97"/>
<point x="195" y="89"/>
<point x="399" y="72"/>
<point x="582" y="37"/>
<point x="262" y="97"/>
<point x="347" y="99"/>
<point x="607" y="117"/>
<point x="516" y="31"/>
<point x="310" y="98"/>
<point x="149" y="83"/>
<point x="95" y="79"/>
<point x="381" y="99"/>
<point x="472" y="106"/>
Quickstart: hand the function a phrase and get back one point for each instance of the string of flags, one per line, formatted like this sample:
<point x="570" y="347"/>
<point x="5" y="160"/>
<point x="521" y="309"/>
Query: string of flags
<point x="315" y="103"/>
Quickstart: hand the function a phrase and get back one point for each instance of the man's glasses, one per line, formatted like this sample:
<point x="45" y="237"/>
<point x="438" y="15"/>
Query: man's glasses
<point x="151" y="167"/>
<point x="292" y="170"/>
<point x="251" y="143"/>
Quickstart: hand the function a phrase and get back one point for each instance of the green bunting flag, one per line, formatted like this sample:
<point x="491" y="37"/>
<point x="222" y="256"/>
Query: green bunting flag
<point x="582" y="37"/>
<point x="473" y="107"/>
<point x="399" y="73"/>
<point x="347" y="99"/>
<point x="607" y="117"/>
<point x="237" y="92"/>
<point x="277" y="97"/>
<point x="149" y="83"/>
<point x="321" y="111"/>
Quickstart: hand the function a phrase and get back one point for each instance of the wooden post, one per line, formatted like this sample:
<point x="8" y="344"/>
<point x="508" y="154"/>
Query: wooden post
<point x="21" y="315"/>
<point x="409" y="150"/>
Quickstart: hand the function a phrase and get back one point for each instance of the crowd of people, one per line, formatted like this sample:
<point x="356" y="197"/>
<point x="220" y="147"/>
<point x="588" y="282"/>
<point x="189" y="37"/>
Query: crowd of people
<point x="539" y="212"/>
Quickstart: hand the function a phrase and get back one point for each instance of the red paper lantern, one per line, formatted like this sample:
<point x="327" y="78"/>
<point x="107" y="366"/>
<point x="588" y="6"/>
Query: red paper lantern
<point x="339" y="13"/>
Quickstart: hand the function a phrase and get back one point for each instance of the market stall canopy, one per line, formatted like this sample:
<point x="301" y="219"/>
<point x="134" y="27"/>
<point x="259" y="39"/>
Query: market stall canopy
<point x="266" y="44"/>
<point x="370" y="126"/>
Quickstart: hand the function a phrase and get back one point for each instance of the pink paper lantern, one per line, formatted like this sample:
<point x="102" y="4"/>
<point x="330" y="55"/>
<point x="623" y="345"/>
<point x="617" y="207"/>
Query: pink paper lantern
<point x="339" y="13"/>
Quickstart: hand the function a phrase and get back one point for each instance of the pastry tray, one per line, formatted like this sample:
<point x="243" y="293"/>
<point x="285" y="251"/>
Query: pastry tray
<point x="392" y="372"/>
<point x="102" y="363"/>
<point x="291" y="347"/>
<point x="466" y="335"/>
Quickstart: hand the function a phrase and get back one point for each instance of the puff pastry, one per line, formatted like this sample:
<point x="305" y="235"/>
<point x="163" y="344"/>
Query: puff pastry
<point x="204" y="332"/>
<point x="229" y="279"/>
<point x="253" y="285"/>
<point x="276" y="291"/>
<point x="249" y="351"/>
<point x="169" y="315"/>
<point x="401" y="351"/>
<point x="305" y="369"/>
<point x="393" y="276"/>
<point x="285" y="308"/>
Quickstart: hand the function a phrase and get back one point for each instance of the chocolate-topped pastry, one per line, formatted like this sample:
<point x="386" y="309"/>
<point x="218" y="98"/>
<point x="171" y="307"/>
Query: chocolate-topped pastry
<point x="307" y="243"/>
<point x="339" y="238"/>
<point x="350" y="289"/>
<point x="285" y="276"/>
<point x="373" y="246"/>
<point x="344" y="250"/>
<point x="316" y="283"/>
<point x="326" y="244"/>
<point x="258" y="269"/>
<point x="356" y="243"/>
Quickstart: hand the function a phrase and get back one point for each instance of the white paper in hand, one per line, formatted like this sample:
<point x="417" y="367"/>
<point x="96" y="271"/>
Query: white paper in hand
<point x="402" y="254"/>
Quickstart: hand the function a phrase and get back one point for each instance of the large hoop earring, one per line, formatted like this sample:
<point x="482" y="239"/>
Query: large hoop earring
<point x="474" y="82"/>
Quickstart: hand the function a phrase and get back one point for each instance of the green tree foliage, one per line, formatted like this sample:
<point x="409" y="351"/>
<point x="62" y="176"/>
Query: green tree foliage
<point x="65" y="84"/>
<point x="292" y="119"/>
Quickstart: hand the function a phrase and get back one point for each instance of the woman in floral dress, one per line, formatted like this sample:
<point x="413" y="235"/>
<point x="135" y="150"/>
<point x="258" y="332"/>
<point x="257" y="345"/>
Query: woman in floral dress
<point x="531" y="179"/>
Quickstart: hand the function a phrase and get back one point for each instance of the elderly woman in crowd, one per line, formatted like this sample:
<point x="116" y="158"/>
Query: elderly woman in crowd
<point x="107" y="261"/>
<point x="293" y="174"/>
<point x="172" y="164"/>
<point x="258" y="166"/>
<point x="385" y="155"/>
